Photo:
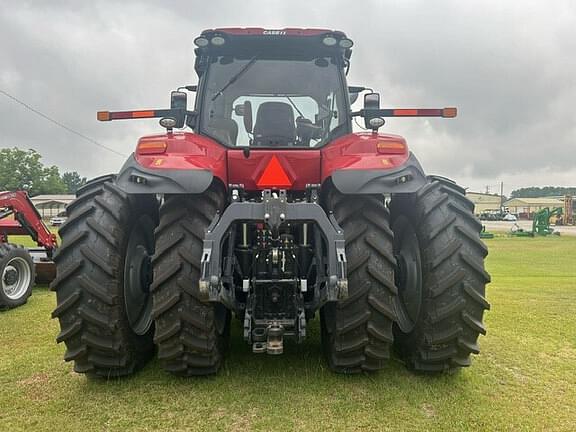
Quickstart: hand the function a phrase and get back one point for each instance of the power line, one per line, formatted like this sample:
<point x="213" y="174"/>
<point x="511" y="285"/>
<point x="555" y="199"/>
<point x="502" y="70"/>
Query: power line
<point x="57" y="123"/>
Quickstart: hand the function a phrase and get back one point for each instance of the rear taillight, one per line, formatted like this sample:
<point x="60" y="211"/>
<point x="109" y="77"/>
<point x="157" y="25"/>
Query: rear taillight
<point x="151" y="147"/>
<point x="391" y="147"/>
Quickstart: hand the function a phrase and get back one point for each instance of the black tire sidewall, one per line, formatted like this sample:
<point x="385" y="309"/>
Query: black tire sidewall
<point x="91" y="300"/>
<point x="7" y="253"/>
<point x="448" y="235"/>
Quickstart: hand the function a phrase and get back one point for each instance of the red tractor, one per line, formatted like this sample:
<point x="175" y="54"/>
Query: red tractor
<point x="272" y="210"/>
<point x="20" y="266"/>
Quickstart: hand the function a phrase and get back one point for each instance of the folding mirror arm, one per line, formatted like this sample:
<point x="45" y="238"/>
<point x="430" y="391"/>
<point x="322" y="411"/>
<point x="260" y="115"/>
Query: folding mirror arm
<point x="170" y="118"/>
<point x="176" y="116"/>
<point x="449" y="112"/>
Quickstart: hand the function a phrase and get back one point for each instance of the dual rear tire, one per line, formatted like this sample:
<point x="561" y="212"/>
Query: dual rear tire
<point x="357" y="332"/>
<point x="440" y="306"/>
<point x="102" y="281"/>
<point x="191" y="335"/>
<point x="112" y="317"/>
<point x="416" y="281"/>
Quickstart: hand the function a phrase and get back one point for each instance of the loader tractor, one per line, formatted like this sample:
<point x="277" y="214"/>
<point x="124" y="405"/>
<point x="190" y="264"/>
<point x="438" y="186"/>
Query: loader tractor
<point x="262" y="205"/>
<point x="20" y="267"/>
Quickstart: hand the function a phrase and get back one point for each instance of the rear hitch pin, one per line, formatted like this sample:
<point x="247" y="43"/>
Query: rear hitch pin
<point x="275" y="343"/>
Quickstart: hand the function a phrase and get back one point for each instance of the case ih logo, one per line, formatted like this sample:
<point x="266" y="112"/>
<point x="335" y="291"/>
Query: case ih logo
<point x="274" y="32"/>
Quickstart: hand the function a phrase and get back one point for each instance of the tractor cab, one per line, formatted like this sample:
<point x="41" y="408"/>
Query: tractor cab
<point x="284" y="89"/>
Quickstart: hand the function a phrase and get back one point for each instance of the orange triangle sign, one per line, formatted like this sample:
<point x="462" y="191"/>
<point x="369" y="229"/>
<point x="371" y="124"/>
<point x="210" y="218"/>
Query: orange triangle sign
<point x="274" y="175"/>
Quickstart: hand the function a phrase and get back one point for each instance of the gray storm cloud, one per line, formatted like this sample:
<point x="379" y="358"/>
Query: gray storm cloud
<point x="508" y="66"/>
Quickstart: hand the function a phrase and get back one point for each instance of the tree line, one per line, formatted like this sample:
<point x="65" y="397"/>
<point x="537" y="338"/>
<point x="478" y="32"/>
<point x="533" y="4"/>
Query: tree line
<point x="537" y="192"/>
<point x="24" y="170"/>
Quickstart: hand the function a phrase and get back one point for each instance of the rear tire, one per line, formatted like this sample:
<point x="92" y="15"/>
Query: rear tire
<point x="357" y="331"/>
<point x="16" y="275"/>
<point x="102" y="281"/>
<point x="191" y="335"/>
<point x="444" y="328"/>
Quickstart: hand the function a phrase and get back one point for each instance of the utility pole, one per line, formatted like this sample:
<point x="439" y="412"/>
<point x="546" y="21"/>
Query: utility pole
<point x="501" y="197"/>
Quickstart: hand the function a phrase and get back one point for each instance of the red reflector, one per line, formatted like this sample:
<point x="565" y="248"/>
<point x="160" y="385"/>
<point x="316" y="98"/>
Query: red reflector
<point x="274" y="176"/>
<point x="405" y="112"/>
<point x="142" y="114"/>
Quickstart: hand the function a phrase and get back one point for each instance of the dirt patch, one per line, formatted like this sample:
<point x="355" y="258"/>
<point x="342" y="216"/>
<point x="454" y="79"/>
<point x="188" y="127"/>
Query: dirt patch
<point x="36" y="386"/>
<point x="243" y="423"/>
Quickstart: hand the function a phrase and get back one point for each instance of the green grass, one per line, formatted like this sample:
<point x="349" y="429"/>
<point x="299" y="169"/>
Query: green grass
<point x="524" y="379"/>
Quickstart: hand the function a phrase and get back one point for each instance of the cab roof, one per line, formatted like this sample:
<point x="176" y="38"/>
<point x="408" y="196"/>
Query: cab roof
<point x="247" y="42"/>
<point x="288" y="31"/>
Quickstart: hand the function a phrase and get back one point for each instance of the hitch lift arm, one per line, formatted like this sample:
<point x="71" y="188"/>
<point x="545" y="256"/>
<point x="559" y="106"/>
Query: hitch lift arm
<point x="273" y="210"/>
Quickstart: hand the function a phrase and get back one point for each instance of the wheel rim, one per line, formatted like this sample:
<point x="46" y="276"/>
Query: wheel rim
<point x="16" y="278"/>
<point x="408" y="274"/>
<point x="138" y="276"/>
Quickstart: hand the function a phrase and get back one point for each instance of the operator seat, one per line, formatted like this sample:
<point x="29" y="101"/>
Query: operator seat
<point x="274" y="125"/>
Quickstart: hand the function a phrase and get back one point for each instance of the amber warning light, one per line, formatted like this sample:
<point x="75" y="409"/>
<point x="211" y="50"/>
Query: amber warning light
<point x="122" y="115"/>
<point x="420" y="112"/>
<point x="151" y="147"/>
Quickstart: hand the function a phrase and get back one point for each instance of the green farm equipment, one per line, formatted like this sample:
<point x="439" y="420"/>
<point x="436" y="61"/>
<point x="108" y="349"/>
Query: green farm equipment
<point x="540" y="224"/>
<point x="485" y="234"/>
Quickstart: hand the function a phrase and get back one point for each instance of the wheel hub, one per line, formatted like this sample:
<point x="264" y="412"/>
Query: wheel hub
<point x="138" y="276"/>
<point x="16" y="278"/>
<point x="10" y="275"/>
<point x="408" y="274"/>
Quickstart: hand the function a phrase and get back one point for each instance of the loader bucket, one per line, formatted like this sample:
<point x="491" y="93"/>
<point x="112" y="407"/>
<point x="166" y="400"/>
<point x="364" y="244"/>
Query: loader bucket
<point x="44" y="266"/>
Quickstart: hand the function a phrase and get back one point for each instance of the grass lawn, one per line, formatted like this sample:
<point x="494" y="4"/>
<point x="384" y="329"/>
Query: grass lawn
<point x="524" y="379"/>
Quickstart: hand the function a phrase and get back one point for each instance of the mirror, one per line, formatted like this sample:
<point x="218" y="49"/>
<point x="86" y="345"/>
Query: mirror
<point x="371" y="101"/>
<point x="179" y="101"/>
<point x="371" y="107"/>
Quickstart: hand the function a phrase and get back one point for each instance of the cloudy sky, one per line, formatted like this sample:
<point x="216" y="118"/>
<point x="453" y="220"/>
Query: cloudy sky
<point x="509" y="66"/>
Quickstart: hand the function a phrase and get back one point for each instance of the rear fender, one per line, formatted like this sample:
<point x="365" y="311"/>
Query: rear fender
<point x="133" y="178"/>
<point x="407" y="178"/>
<point x="369" y="163"/>
<point x="189" y="165"/>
